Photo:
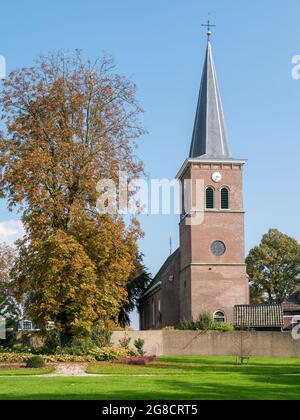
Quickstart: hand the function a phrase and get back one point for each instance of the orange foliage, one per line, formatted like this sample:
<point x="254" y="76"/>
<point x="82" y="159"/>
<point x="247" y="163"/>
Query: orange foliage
<point x="69" y="123"/>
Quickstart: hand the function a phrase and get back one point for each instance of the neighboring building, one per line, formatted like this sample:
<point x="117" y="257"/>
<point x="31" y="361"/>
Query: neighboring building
<point x="207" y="273"/>
<point x="28" y="325"/>
<point x="259" y="317"/>
<point x="291" y="310"/>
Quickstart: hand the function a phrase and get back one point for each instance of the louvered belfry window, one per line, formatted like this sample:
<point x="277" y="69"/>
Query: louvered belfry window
<point x="225" y="198"/>
<point x="210" y="202"/>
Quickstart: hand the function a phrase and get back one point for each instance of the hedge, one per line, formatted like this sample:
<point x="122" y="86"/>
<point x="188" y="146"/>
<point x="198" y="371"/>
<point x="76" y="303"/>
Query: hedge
<point x="23" y="357"/>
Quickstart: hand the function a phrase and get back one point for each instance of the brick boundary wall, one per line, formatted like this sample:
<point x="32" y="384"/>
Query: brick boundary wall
<point x="190" y="343"/>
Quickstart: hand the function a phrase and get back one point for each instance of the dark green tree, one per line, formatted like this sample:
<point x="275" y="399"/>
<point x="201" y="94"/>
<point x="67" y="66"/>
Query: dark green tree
<point x="135" y="288"/>
<point x="274" y="268"/>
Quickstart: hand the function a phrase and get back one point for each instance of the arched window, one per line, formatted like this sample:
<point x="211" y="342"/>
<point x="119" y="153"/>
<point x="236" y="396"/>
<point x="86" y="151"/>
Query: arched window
<point x="219" y="316"/>
<point x="153" y="312"/>
<point x="224" y="198"/>
<point x="210" y="198"/>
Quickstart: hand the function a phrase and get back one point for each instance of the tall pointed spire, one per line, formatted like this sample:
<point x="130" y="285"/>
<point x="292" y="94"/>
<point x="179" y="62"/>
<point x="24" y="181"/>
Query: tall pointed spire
<point x="209" y="137"/>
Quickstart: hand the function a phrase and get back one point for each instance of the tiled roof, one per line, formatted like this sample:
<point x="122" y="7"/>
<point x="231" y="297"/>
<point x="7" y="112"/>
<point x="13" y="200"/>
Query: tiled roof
<point x="161" y="273"/>
<point x="255" y="316"/>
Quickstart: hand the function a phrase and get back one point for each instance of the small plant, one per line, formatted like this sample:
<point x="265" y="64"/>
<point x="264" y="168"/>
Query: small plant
<point x="187" y="326"/>
<point x="35" y="362"/>
<point x="205" y="322"/>
<point x="139" y="345"/>
<point x="125" y="343"/>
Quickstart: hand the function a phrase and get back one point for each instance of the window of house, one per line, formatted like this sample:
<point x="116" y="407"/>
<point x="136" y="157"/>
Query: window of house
<point x="210" y="198"/>
<point x="225" y="198"/>
<point x="27" y="325"/>
<point x="219" y="316"/>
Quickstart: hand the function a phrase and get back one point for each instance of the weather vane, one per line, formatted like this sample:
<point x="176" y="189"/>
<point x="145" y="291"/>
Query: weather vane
<point x="208" y="25"/>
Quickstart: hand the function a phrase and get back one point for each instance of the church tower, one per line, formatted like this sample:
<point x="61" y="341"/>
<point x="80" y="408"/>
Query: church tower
<point x="207" y="273"/>
<point x="212" y="261"/>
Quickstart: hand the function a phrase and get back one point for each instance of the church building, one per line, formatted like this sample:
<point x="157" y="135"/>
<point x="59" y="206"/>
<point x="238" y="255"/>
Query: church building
<point x="207" y="273"/>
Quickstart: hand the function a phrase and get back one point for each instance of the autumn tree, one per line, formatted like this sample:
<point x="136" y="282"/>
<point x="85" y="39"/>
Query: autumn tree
<point x="69" y="124"/>
<point x="8" y="307"/>
<point x="274" y="268"/>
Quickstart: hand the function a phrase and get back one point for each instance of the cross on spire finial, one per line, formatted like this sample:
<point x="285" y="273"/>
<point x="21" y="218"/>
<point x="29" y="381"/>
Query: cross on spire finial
<point x="208" y="25"/>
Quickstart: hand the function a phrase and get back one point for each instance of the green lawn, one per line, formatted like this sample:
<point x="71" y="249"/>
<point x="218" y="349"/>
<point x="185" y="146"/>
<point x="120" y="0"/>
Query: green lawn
<point x="173" y="378"/>
<point x="25" y="372"/>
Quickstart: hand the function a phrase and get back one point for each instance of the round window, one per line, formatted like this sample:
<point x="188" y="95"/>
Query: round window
<point x="218" y="248"/>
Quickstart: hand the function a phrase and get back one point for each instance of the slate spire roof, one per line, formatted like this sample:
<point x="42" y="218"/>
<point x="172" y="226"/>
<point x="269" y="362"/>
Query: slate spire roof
<point x="209" y="136"/>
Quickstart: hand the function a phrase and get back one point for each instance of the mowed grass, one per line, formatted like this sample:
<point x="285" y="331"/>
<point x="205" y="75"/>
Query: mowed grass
<point x="170" y="378"/>
<point x="25" y="372"/>
<point x="198" y="366"/>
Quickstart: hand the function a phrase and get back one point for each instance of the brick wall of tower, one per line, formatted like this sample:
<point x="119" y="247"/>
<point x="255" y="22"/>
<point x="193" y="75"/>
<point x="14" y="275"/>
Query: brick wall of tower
<point x="214" y="283"/>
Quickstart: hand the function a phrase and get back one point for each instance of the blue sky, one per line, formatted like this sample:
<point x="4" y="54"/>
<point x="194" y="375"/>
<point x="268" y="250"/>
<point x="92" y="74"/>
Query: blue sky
<point x="160" y="45"/>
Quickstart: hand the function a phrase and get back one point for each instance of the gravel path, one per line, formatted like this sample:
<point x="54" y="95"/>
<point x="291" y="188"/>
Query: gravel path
<point x="70" y="369"/>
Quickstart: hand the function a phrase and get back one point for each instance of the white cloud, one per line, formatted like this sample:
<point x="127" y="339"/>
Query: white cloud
<point x="10" y="231"/>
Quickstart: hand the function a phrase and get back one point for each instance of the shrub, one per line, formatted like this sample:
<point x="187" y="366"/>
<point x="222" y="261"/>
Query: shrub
<point x="187" y="325"/>
<point x="35" y="362"/>
<point x="68" y="358"/>
<point x="145" y="360"/>
<point x="10" y="340"/>
<point x="11" y="357"/>
<point x="223" y="326"/>
<point x="125" y="343"/>
<point x="108" y="353"/>
<point x="22" y="349"/>
<point x="137" y="361"/>
<point x="78" y="347"/>
<point x="52" y="342"/>
<point x="205" y="322"/>
<point x="101" y="337"/>
<point x="139" y="345"/>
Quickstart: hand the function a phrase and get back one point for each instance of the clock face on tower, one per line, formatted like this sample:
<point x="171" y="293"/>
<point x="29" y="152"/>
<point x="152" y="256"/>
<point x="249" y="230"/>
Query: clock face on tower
<point x="216" y="177"/>
<point x="218" y="248"/>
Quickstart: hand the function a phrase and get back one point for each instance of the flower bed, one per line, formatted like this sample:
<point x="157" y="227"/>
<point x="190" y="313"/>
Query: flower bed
<point x="141" y="361"/>
<point x="20" y="358"/>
